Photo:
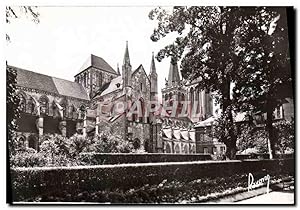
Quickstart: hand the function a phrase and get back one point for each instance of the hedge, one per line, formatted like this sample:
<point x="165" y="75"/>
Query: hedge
<point x="30" y="182"/>
<point x="121" y="158"/>
<point x="262" y="156"/>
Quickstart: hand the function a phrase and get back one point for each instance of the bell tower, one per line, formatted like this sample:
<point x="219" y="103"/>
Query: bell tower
<point x="174" y="90"/>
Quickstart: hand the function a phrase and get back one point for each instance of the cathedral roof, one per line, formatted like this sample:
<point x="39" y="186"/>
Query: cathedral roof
<point x="97" y="62"/>
<point x="68" y="88"/>
<point x="115" y="84"/>
<point x="50" y="84"/>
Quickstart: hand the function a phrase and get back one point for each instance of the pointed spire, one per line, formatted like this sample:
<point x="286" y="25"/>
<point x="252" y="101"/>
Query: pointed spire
<point x="118" y="70"/>
<point x="126" y="55"/>
<point x="173" y="73"/>
<point x="152" y="67"/>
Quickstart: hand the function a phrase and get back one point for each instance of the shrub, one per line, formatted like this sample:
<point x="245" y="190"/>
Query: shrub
<point x="106" y="142"/>
<point x="56" y="150"/>
<point x="253" y="137"/>
<point x="27" y="158"/>
<point x="285" y="132"/>
<point x="77" y="144"/>
<point x="218" y="157"/>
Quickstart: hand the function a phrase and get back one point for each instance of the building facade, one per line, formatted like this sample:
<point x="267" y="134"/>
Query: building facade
<point x="190" y="106"/>
<point x="50" y="105"/>
<point x="91" y="104"/>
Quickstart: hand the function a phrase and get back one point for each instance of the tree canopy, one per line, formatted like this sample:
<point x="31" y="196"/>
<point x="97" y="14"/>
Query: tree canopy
<point x="207" y="46"/>
<point x="17" y="12"/>
<point x="265" y="78"/>
<point x="265" y="73"/>
<point x="225" y="47"/>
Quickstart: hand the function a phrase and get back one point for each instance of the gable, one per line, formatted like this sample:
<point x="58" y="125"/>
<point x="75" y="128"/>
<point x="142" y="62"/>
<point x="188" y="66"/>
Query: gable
<point x="98" y="63"/>
<point x="142" y="70"/>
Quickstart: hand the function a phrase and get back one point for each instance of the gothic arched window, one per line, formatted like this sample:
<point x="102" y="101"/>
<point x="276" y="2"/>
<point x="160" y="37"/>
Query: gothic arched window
<point x="182" y="97"/>
<point x="192" y="96"/>
<point x="81" y="113"/>
<point x="197" y="95"/>
<point x="85" y="79"/>
<point x="142" y="105"/>
<point x="64" y="106"/>
<point x="100" y="79"/>
<point x="170" y="99"/>
<point x="134" y="115"/>
<point x="197" y="99"/>
<point x="71" y="111"/>
<point x="21" y="142"/>
<point x="30" y="106"/>
<point x="44" y="105"/>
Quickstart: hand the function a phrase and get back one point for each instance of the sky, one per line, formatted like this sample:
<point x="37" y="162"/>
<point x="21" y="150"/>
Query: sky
<point x="66" y="36"/>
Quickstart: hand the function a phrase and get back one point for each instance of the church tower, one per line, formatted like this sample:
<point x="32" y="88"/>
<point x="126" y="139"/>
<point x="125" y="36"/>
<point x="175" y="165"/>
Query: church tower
<point x="94" y="73"/>
<point x="153" y="80"/>
<point x="173" y="90"/>
<point x="155" y="142"/>
<point x="173" y="77"/>
<point x="126" y="68"/>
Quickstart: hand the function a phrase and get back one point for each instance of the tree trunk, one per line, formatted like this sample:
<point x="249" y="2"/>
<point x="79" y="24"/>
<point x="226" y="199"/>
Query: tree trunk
<point x="270" y="131"/>
<point x="230" y="140"/>
<point x="231" y="150"/>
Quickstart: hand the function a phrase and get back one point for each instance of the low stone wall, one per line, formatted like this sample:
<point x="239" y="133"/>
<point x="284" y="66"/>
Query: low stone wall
<point x="31" y="182"/>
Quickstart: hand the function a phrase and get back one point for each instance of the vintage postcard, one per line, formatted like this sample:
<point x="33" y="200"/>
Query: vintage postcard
<point x="150" y="104"/>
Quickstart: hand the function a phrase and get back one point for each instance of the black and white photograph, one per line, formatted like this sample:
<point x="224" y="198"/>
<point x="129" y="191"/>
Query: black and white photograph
<point x="134" y="105"/>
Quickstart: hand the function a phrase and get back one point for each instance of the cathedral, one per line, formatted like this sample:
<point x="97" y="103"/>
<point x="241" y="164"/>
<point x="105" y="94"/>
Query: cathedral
<point x="125" y="102"/>
<point x="51" y="105"/>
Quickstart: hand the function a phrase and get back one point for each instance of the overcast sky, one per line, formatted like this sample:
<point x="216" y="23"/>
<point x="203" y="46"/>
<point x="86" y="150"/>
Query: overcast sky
<point x="65" y="37"/>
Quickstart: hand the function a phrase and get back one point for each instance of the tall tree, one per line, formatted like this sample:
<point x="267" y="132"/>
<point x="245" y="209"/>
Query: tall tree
<point x="206" y="43"/>
<point x="12" y="103"/>
<point x="265" y="73"/>
<point x="12" y="99"/>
